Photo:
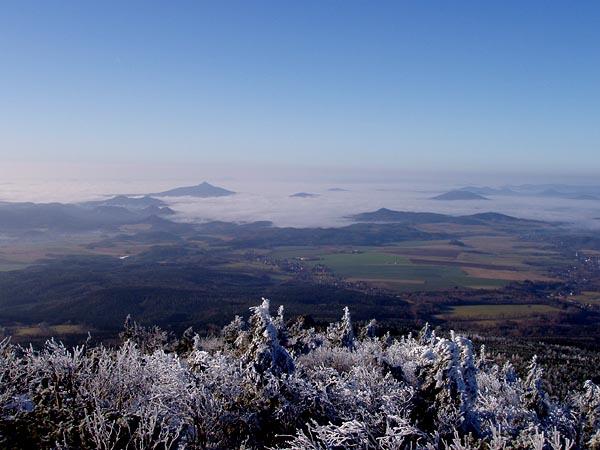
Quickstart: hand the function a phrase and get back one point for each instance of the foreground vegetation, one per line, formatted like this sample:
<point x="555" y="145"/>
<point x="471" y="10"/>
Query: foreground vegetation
<point x="269" y="384"/>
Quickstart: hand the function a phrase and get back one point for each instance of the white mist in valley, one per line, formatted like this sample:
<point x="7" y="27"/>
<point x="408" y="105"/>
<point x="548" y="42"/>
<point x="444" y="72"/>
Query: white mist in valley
<point x="333" y="208"/>
<point x="330" y="204"/>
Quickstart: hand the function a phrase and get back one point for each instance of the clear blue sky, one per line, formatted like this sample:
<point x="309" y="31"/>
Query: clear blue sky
<point x="415" y="85"/>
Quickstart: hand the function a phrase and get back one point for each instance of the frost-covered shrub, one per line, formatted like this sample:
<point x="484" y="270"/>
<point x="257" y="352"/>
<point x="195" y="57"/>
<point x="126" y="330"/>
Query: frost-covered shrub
<point x="341" y="333"/>
<point x="147" y="340"/>
<point x="586" y="415"/>
<point x="302" y="339"/>
<point x="235" y="334"/>
<point x="262" y="384"/>
<point x="12" y="400"/>
<point x="369" y="330"/>
<point x="265" y="352"/>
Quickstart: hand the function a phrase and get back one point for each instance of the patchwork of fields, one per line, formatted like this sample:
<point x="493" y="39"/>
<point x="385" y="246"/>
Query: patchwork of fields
<point x="497" y="312"/>
<point x="463" y="275"/>
<point x="475" y="262"/>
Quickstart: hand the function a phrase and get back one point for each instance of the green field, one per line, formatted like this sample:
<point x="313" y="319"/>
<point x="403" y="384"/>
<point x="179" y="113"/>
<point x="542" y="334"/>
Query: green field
<point x="411" y="244"/>
<point x="398" y="267"/>
<point x="347" y="262"/>
<point x="487" y="260"/>
<point x="48" y="331"/>
<point x="296" y="252"/>
<point x="498" y="312"/>
<point x="588" y="298"/>
<point x="398" y="272"/>
<point x="6" y="267"/>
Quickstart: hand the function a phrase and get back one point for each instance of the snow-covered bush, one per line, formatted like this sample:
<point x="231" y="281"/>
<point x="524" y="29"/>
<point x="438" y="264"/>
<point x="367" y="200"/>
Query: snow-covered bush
<point x="268" y="384"/>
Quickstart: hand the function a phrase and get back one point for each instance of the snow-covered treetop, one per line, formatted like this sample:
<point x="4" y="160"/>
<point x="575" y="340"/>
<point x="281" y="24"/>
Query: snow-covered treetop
<point x="251" y="389"/>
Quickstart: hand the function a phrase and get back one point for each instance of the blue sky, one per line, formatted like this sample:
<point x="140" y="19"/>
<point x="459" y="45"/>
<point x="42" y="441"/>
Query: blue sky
<point x="423" y="86"/>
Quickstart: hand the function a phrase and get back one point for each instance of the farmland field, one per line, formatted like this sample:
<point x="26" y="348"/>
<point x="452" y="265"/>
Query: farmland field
<point x="381" y="266"/>
<point x="587" y="298"/>
<point x="180" y="277"/>
<point x="8" y="266"/>
<point x="498" y="312"/>
<point x="48" y="331"/>
<point x="483" y="261"/>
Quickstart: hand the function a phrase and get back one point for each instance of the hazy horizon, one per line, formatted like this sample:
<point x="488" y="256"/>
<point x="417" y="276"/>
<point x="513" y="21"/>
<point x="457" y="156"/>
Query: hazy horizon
<point x="261" y="199"/>
<point x="268" y="99"/>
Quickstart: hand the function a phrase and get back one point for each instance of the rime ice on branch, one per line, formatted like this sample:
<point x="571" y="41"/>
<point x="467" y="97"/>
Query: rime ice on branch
<point x="263" y="384"/>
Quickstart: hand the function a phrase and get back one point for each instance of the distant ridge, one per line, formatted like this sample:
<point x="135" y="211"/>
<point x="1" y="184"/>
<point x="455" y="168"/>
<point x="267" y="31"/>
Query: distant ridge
<point x="459" y="195"/>
<point x="565" y="191"/>
<point x="486" y="190"/>
<point x="495" y="217"/>
<point x="158" y="211"/>
<point x="128" y="202"/>
<point x="551" y="193"/>
<point x="202" y="190"/>
<point x="303" y="195"/>
<point x="414" y="218"/>
<point x="389" y="215"/>
<point x="585" y="197"/>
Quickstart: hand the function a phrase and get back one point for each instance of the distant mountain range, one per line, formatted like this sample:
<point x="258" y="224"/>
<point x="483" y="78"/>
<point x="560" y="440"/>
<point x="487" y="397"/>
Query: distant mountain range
<point x="489" y="190"/>
<point x="127" y="202"/>
<point x="566" y="191"/>
<point x="303" y="195"/>
<point x="158" y="211"/>
<point x="389" y="215"/>
<point x="415" y="218"/>
<point x="585" y="197"/>
<point x="20" y="218"/>
<point x="202" y="190"/>
<point x="459" y="195"/>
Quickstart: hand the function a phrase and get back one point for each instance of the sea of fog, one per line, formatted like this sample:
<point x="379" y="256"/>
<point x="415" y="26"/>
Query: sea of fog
<point x="271" y="201"/>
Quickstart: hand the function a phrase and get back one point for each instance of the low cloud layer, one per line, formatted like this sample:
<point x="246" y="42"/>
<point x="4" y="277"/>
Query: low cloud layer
<point x="272" y="202"/>
<point x="332" y="208"/>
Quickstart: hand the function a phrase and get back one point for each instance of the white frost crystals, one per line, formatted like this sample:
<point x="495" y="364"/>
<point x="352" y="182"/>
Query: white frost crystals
<point x="264" y="351"/>
<point x="266" y="383"/>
